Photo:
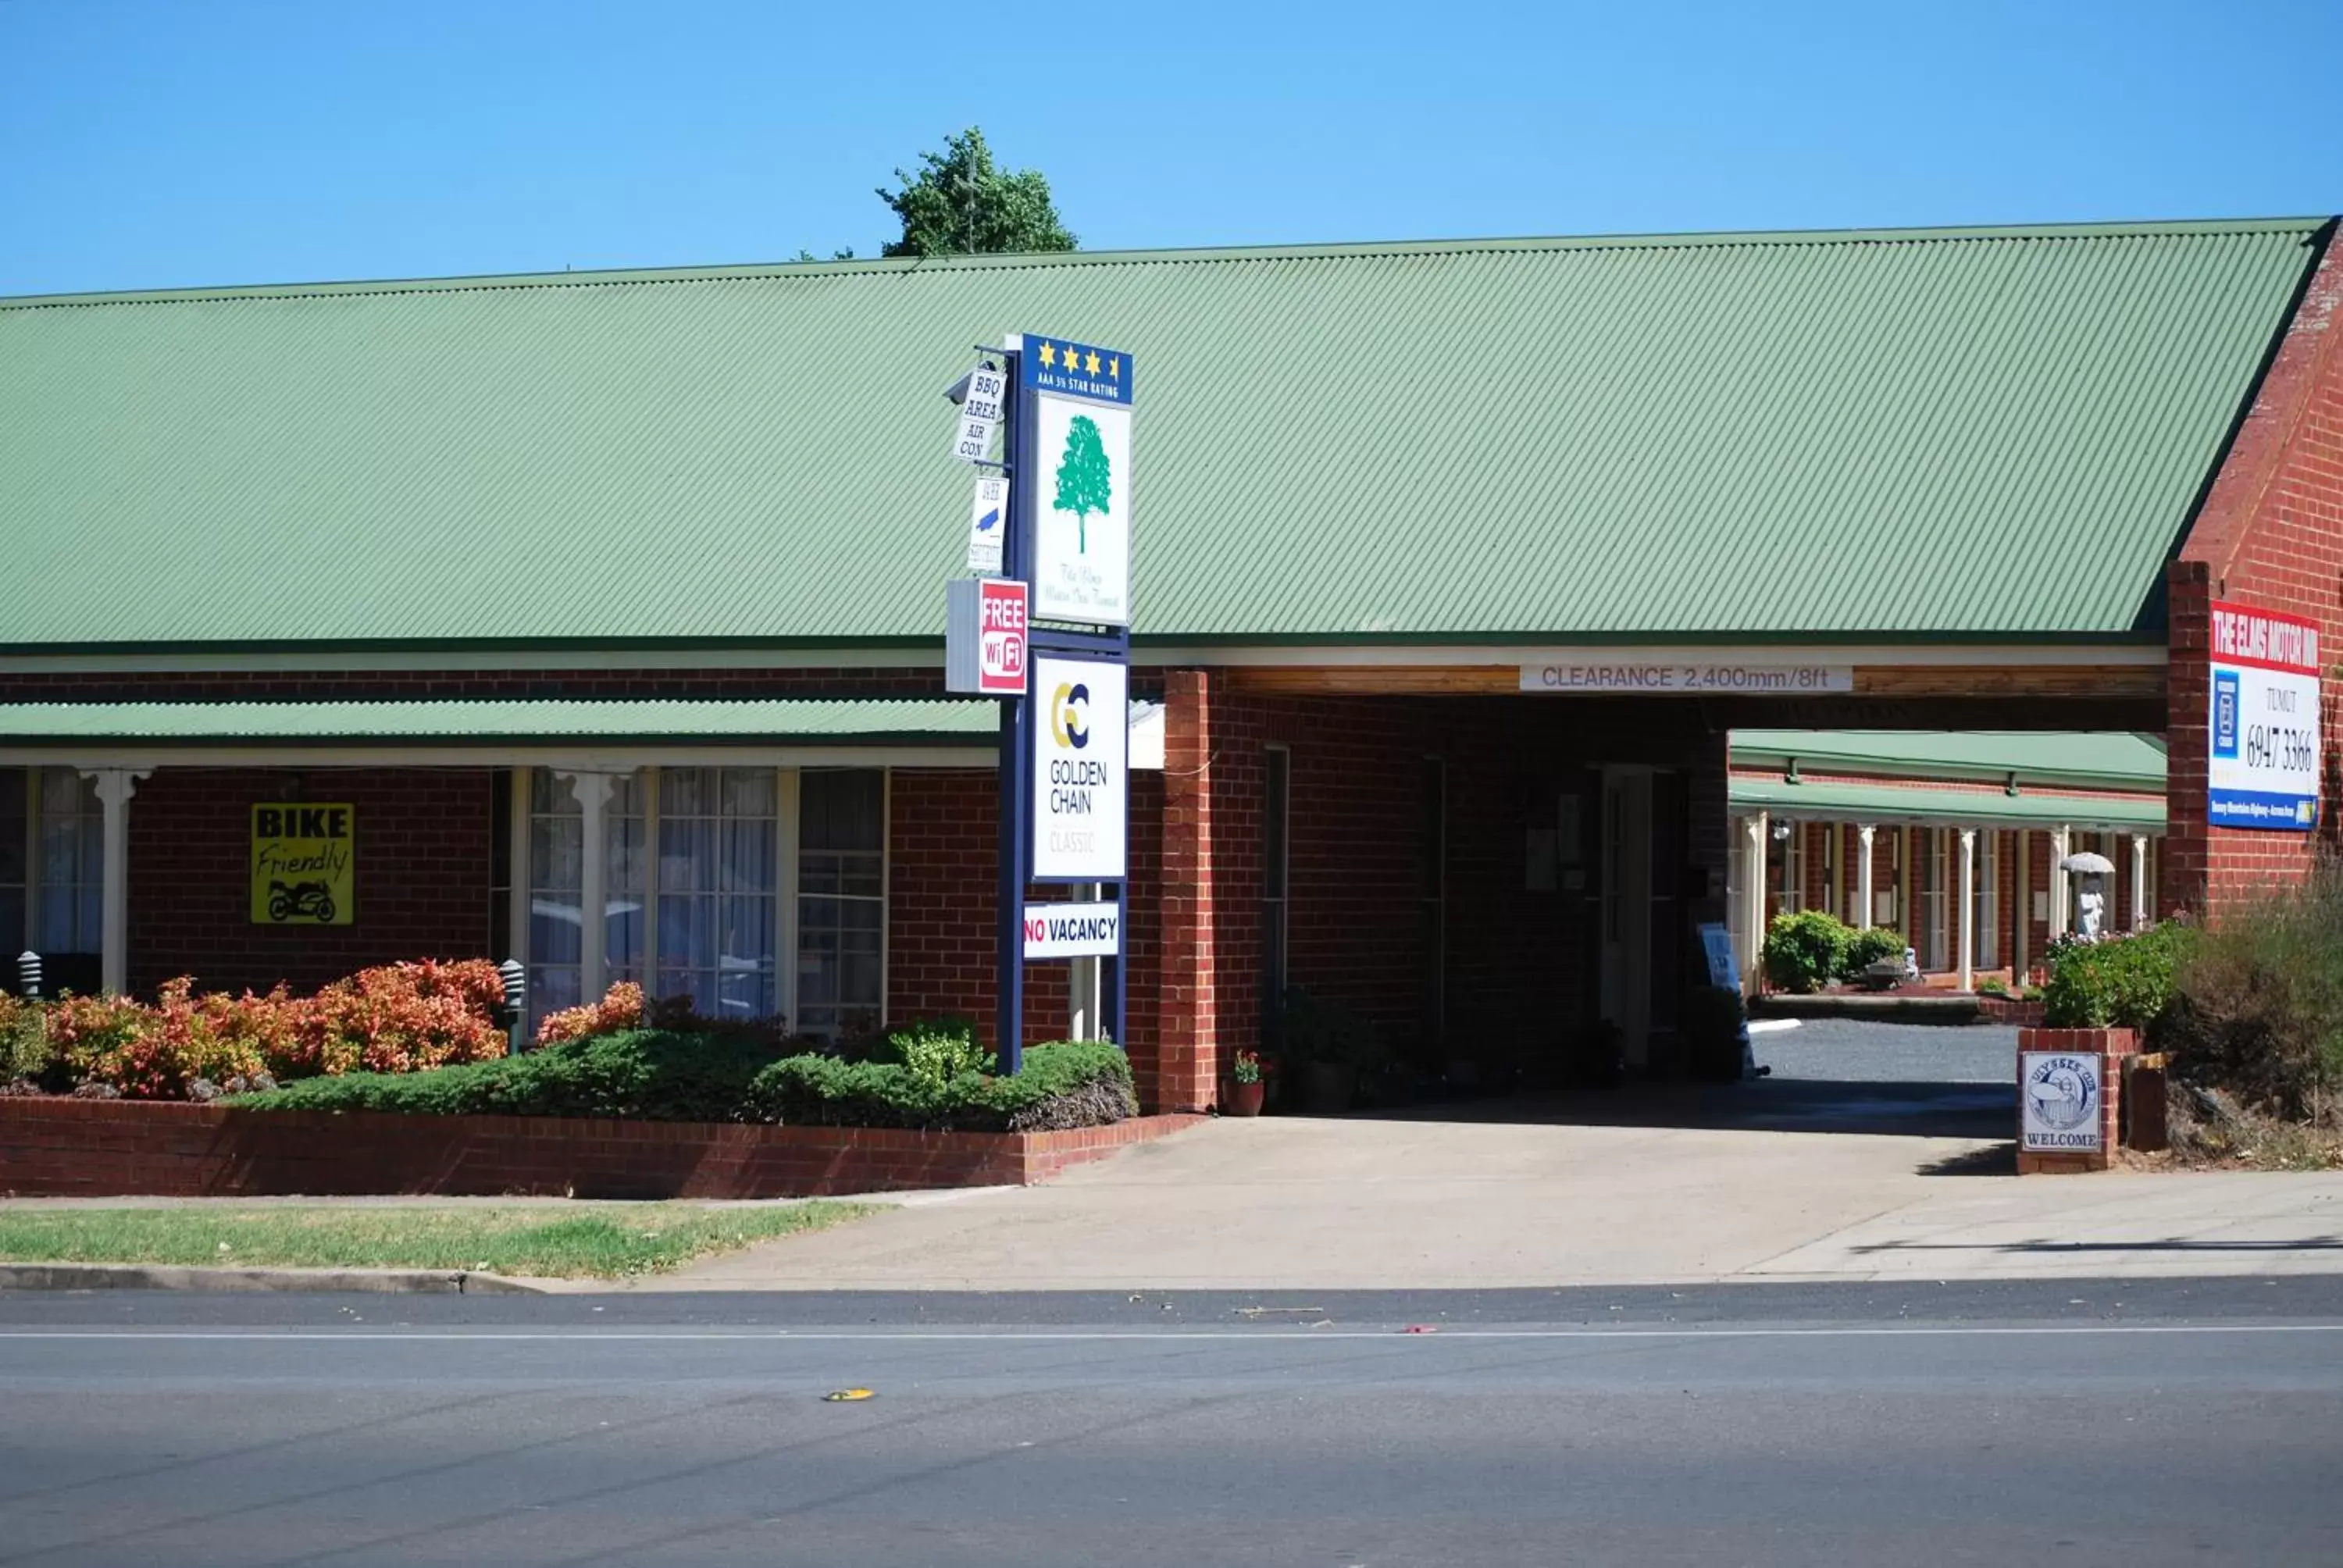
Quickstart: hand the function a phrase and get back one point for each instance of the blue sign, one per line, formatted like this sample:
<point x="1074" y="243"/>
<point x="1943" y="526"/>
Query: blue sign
<point x="1077" y="370"/>
<point x="2225" y="712"/>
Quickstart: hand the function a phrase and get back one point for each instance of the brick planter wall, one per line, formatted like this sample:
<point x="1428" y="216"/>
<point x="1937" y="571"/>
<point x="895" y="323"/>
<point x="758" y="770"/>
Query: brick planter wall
<point x="85" y="1148"/>
<point x="2111" y="1046"/>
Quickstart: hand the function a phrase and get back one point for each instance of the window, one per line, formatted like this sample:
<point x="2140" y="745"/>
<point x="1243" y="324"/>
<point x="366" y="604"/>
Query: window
<point x="697" y="873"/>
<point x="1986" y="903"/>
<point x="1834" y="876"/>
<point x="1277" y="768"/>
<point x="556" y="882"/>
<point x="70" y="860"/>
<point x="719" y="837"/>
<point x="15" y="833"/>
<point x="842" y="901"/>
<point x="500" y="862"/>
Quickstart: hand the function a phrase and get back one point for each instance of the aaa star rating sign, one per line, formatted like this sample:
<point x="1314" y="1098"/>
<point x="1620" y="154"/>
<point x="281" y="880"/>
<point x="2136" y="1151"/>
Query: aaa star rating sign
<point x="1081" y="398"/>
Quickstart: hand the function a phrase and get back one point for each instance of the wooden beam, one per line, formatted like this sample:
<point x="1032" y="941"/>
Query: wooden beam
<point x="2080" y="680"/>
<point x="1369" y="681"/>
<point x="2101" y="682"/>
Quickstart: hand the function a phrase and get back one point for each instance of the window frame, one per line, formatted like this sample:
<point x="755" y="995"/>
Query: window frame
<point x="788" y="880"/>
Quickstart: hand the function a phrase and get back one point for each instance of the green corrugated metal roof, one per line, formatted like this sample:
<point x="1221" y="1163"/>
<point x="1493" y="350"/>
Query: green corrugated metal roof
<point x="974" y="722"/>
<point x="1895" y="803"/>
<point x="1977" y="433"/>
<point x="2110" y="760"/>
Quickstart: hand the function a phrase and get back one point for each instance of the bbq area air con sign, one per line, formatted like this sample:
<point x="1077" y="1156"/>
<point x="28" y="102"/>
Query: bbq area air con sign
<point x="304" y="863"/>
<point x="2264" y="718"/>
<point x="1081" y="736"/>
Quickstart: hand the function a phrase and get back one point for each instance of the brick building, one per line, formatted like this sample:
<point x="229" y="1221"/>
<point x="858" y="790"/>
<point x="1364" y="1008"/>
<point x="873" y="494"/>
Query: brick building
<point x="1907" y="829"/>
<point x="1457" y="565"/>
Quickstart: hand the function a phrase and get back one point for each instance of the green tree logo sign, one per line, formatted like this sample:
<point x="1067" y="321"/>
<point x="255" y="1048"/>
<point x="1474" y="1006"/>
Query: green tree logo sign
<point x="1084" y="484"/>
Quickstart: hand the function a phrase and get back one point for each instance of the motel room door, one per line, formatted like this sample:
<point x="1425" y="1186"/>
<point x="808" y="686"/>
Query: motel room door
<point x="1627" y="922"/>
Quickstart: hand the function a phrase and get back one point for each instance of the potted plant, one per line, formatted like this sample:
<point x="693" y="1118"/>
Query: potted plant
<point x="1250" y="1088"/>
<point x="1323" y="1043"/>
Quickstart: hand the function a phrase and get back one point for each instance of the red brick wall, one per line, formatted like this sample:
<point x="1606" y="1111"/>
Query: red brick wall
<point x="941" y="948"/>
<point x="81" y="1147"/>
<point x="424" y="837"/>
<point x="2270" y="534"/>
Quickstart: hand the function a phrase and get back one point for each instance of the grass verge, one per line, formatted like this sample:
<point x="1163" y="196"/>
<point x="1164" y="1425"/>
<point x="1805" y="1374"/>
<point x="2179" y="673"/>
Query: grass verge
<point x="599" y="1240"/>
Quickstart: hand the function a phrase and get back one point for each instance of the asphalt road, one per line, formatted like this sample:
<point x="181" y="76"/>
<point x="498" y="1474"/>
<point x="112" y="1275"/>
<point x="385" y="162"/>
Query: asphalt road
<point x="2140" y="1422"/>
<point x="1847" y="1050"/>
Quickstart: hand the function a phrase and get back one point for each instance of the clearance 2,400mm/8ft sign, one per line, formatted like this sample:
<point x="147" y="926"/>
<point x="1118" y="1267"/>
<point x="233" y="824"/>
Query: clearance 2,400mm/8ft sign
<point x="2264" y="753"/>
<point x="1081" y="736"/>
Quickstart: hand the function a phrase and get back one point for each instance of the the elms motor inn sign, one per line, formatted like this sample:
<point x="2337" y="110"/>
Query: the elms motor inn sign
<point x="2264" y="718"/>
<point x="304" y="863"/>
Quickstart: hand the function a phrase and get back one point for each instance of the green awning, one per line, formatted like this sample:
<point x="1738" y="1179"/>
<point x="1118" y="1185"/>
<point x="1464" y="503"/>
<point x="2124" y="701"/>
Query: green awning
<point x="973" y="724"/>
<point x="1944" y="807"/>
<point x="2102" y="761"/>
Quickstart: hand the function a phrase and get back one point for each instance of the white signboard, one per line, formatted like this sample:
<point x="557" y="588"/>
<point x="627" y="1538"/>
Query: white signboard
<point x="1081" y="785"/>
<point x="1082" y="481"/>
<point x="1073" y="930"/>
<point x="2264" y="720"/>
<point x="1681" y="675"/>
<point x="987" y="520"/>
<point x="2058" y="1100"/>
<point x="979" y="415"/>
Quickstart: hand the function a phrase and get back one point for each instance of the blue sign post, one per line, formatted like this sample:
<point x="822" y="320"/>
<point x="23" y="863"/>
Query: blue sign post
<point x="1067" y="535"/>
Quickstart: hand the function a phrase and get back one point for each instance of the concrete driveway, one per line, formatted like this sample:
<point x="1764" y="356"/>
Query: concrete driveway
<point x="1821" y="1171"/>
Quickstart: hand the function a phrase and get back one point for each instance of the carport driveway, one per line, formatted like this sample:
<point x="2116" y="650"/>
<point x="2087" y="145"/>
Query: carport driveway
<point x="1839" y="1166"/>
<point x="1670" y="1186"/>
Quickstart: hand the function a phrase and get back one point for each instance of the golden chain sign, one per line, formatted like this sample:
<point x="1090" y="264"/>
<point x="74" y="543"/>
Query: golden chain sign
<point x="303" y="864"/>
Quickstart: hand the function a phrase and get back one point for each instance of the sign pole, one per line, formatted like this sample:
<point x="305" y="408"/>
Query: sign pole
<point x="1015" y="771"/>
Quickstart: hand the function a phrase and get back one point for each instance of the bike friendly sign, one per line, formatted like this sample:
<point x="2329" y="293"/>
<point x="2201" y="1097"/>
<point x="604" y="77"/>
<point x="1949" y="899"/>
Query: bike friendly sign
<point x="304" y="864"/>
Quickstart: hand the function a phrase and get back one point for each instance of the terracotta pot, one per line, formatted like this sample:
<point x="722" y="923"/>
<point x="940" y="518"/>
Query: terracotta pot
<point x="1244" y="1099"/>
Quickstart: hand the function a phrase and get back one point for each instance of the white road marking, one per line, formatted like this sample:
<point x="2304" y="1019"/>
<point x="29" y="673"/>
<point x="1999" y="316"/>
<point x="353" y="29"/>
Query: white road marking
<point x="1253" y="1336"/>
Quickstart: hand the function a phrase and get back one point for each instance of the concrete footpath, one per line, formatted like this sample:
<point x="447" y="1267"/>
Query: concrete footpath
<point x="1460" y="1201"/>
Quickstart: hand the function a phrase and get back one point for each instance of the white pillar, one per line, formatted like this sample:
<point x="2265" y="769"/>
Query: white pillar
<point x="2061" y="840"/>
<point x="1863" y="899"/>
<point x="114" y="788"/>
<point x="1753" y="898"/>
<point x="593" y="792"/>
<point x="2138" y="880"/>
<point x="1968" y="907"/>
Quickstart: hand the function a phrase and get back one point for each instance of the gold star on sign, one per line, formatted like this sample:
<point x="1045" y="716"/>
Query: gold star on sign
<point x="1093" y="362"/>
<point x="1049" y="354"/>
<point x="1114" y="369"/>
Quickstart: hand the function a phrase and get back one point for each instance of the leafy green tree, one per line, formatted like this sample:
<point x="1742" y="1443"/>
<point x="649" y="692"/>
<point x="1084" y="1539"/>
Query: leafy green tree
<point x="960" y="203"/>
<point x="1084" y="484"/>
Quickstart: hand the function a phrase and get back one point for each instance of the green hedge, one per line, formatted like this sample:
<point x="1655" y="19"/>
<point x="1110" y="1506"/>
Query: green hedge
<point x="1075" y="1084"/>
<point x="664" y="1075"/>
<point x="2120" y="982"/>
<point x="1804" y="950"/>
<point x="648" y="1074"/>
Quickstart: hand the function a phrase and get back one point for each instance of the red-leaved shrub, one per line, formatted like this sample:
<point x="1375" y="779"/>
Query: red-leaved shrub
<point x="620" y="1008"/>
<point x="400" y="1018"/>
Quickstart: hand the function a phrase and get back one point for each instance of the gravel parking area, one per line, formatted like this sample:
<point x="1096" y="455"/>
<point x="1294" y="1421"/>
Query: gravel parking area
<point x="1855" y="1051"/>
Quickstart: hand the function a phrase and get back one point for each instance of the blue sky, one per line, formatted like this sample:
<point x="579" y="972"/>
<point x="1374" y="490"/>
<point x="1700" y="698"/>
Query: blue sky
<point x="160" y="142"/>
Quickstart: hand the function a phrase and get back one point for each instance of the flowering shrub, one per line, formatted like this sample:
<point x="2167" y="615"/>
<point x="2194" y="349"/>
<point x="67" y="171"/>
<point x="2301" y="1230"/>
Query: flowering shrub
<point x="403" y="1018"/>
<point x="621" y="1008"/>
<point x="150" y="1052"/>
<point x="400" y="1018"/>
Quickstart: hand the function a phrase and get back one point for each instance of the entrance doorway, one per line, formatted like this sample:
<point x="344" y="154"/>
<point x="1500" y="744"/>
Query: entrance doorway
<point x="1627" y="907"/>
